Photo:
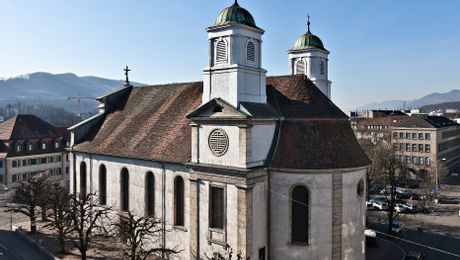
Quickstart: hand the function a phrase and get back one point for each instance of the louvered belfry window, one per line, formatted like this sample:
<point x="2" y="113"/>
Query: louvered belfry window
<point x="218" y="142"/>
<point x="216" y="218"/>
<point x="300" y="67"/>
<point x="221" y="51"/>
<point x="251" y="52"/>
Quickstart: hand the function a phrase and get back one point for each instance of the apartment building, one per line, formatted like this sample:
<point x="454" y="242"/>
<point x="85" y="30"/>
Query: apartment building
<point x="30" y="146"/>
<point x="423" y="141"/>
<point x="376" y="128"/>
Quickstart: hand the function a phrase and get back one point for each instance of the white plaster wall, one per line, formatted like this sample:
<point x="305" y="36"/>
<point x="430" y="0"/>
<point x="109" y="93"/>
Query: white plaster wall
<point x="207" y="247"/>
<point x="236" y="80"/>
<point x="313" y="57"/>
<point x="320" y="227"/>
<point x="231" y="158"/>
<point x="261" y="141"/>
<point x="8" y="164"/>
<point x="259" y="226"/>
<point x="178" y="237"/>
<point x="354" y="212"/>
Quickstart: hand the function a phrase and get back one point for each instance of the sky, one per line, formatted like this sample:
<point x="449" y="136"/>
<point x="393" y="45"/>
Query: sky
<point x="380" y="50"/>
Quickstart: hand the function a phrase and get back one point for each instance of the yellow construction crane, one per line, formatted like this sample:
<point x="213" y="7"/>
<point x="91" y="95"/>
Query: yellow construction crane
<point x="79" y="98"/>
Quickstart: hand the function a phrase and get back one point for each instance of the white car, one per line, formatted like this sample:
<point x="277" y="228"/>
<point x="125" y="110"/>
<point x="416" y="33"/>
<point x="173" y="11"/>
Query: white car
<point x="381" y="205"/>
<point x="400" y="207"/>
<point x="410" y="207"/>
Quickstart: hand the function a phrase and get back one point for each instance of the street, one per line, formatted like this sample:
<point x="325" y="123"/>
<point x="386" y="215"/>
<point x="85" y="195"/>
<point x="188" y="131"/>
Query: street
<point x="439" y="229"/>
<point x="11" y="245"/>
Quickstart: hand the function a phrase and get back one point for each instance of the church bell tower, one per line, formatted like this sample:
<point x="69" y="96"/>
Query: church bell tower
<point x="234" y="71"/>
<point x="309" y="57"/>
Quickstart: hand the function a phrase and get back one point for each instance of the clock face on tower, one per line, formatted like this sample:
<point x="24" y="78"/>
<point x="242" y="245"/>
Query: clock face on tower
<point x="218" y="142"/>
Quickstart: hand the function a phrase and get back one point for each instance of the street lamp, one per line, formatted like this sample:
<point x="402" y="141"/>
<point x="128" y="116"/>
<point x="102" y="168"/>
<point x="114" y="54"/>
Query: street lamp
<point x="437" y="168"/>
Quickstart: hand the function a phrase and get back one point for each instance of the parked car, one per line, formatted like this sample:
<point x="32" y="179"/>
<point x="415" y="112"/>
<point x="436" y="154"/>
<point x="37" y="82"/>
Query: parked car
<point x="375" y="189"/>
<point x="381" y="205"/>
<point x="369" y="203"/>
<point x="412" y="255"/>
<point x="396" y="227"/>
<point x="410" y="207"/>
<point x="399" y="207"/>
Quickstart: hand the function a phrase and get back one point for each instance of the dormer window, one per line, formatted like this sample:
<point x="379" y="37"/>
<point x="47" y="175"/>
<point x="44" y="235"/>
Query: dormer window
<point x="56" y="145"/>
<point x="29" y="147"/>
<point x="43" y="146"/>
<point x="221" y="51"/>
<point x="251" y="52"/>
<point x="18" y="148"/>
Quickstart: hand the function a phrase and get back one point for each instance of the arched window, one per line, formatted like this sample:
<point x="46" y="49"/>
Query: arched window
<point x="102" y="185"/>
<point x="124" y="190"/>
<point x="300" y="68"/>
<point x="251" y="52"/>
<point x="299" y="215"/>
<point x="179" y="201"/>
<point x="149" y="194"/>
<point x="83" y="179"/>
<point x="322" y="68"/>
<point x="221" y="51"/>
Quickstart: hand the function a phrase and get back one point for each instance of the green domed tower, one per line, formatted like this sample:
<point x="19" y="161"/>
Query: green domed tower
<point x="234" y="71"/>
<point x="309" y="57"/>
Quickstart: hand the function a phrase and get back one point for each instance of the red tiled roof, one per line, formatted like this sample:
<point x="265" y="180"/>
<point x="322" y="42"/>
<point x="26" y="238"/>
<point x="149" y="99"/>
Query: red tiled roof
<point x="23" y="129"/>
<point x="152" y="125"/>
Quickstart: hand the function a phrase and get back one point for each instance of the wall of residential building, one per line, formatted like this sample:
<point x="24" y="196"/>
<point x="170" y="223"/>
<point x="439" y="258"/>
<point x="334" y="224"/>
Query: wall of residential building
<point x="23" y="167"/>
<point x="423" y="148"/>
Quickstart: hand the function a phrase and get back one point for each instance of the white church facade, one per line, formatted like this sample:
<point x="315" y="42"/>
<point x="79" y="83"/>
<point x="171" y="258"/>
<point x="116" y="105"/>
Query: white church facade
<point x="266" y="166"/>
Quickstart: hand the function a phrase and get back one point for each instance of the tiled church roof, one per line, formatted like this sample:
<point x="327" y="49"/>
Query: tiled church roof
<point x="152" y="125"/>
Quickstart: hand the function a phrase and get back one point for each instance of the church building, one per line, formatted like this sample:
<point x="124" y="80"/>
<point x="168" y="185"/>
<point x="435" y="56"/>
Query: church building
<point x="264" y="166"/>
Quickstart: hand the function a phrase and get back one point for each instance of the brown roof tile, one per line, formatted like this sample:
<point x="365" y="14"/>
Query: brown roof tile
<point x="24" y="129"/>
<point x="152" y="125"/>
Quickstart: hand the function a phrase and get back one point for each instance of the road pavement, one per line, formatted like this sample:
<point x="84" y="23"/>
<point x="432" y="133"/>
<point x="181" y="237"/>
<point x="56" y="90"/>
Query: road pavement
<point x="439" y="229"/>
<point x="14" y="248"/>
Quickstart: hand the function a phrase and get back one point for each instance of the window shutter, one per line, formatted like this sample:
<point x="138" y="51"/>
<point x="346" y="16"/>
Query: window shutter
<point x="221" y="55"/>
<point x="251" y="52"/>
<point x="217" y="208"/>
<point x="300" y="67"/>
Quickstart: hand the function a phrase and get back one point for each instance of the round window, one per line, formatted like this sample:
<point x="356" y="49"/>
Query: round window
<point x="360" y="188"/>
<point x="218" y="142"/>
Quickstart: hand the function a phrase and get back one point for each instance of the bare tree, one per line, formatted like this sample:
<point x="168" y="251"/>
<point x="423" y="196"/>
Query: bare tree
<point x="142" y="236"/>
<point x="88" y="218"/>
<point x="387" y="169"/>
<point x="29" y="195"/>
<point x="430" y="179"/>
<point x="60" y="213"/>
<point x="227" y="255"/>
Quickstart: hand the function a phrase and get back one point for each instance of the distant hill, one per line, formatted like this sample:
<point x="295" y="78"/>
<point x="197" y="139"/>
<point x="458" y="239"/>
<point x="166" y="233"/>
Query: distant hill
<point x="434" y="98"/>
<point x="42" y="88"/>
<point x="441" y="107"/>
